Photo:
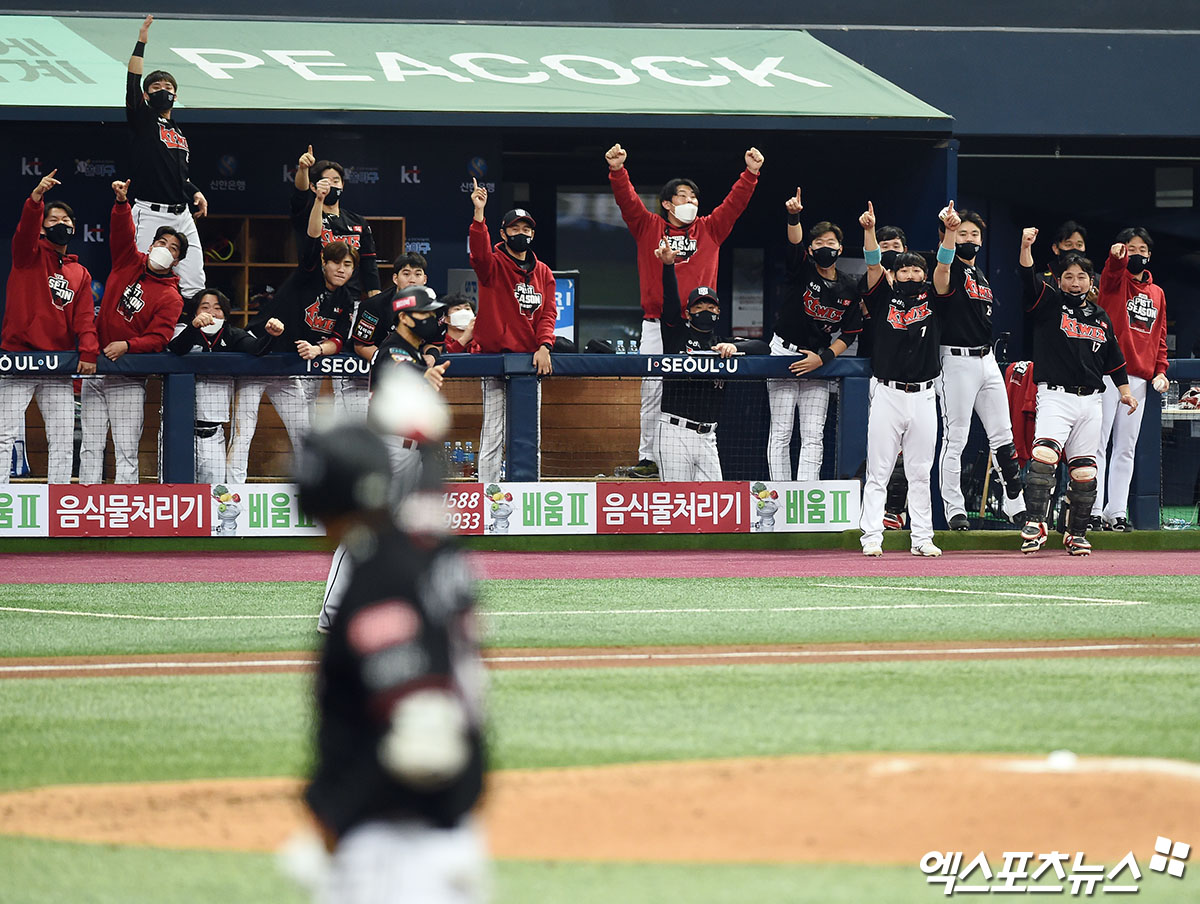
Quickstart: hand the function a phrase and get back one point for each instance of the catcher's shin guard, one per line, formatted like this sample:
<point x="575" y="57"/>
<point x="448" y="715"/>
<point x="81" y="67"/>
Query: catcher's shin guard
<point x="1006" y="461"/>
<point x="1081" y="493"/>
<point x="1039" y="484"/>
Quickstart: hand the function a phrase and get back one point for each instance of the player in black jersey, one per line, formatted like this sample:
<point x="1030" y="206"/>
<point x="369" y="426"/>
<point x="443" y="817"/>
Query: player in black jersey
<point x="687" y="431"/>
<point x="904" y="362"/>
<point x="819" y="319"/>
<point x="165" y="196"/>
<point x="1074" y="348"/>
<point x="399" y="759"/>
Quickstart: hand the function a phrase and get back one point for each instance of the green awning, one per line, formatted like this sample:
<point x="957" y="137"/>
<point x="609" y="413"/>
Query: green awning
<point x="79" y="62"/>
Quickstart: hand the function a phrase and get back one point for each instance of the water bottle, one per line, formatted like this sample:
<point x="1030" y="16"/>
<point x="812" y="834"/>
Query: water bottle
<point x="1172" y="394"/>
<point x="470" y="466"/>
<point x="20" y="464"/>
<point x="449" y="456"/>
<point x="459" y="460"/>
<point x="633" y="347"/>
<point x="620" y="346"/>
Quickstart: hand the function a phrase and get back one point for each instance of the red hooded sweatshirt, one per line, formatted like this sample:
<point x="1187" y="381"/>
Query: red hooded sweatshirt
<point x="698" y="243"/>
<point x="1138" y="311"/>
<point x="138" y="307"/>
<point x="49" y="305"/>
<point x="517" y="305"/>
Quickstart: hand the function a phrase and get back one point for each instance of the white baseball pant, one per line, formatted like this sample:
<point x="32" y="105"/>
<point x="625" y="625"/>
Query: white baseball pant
<point x="214" y="396"/>
<point x="351" y="396"/>
<point x="118" y="403"/>
<point x="899" y="421"/>
<point x="786" y="397"/>
<point x="408" y="860"/>
<point x="405" y="459"/>
<point x="1072" y="421"/>
<point x="651" y="344"/>
<point x="56" y="401"/>
<point x="492" y="435"/>
<point x="146" y="222"/>
<point x="1124" y="429"/>
<point x="685" y="454"/>
<point x="969" y="384"/>
<point x="290" y="398"/>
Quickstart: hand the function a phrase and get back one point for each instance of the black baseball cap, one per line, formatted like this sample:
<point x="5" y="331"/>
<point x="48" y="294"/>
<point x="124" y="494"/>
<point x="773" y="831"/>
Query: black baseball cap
<point x="703" y="293"/>
<point x="519" y="213"/>
<point x="417" y="299"/>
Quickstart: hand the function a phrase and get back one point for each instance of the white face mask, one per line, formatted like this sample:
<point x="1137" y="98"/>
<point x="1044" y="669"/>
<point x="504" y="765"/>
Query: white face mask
<point x="213" y="328"/>
<point x="685" y="213"/>
<point x="161" y="258"/>
<point x="460" y="320"/>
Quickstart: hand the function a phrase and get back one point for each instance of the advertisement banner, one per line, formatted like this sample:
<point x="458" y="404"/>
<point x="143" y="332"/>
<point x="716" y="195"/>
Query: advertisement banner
<point x="25" y="510"/>
<point x="672" y="508"/>
<point x="818" y="505"/>
<point x="539" y="508"/>
<point x="464" y="509"/>
<point x="134" y="510"/>
<point x="259" y="510"/>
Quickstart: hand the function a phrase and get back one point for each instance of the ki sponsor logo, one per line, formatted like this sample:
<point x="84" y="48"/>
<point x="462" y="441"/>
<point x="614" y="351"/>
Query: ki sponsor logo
<point x="106" y="169"/>
<point x="410" y="175"/>
<point x="31" y="167"/>
<point x="93" y="233"/>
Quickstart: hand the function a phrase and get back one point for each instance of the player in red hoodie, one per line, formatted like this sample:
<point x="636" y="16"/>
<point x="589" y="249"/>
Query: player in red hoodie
<point x="138" y="313"/>
<point x="696" y="240"/>
<point x="1138" y="310"/>
<point x="48" y="307"/>
<point x="517" y="310"/>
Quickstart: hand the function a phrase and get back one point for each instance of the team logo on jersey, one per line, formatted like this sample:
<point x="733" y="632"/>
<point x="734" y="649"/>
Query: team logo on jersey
<point x="1142" y="313"/>
<point x="316" y="321"/>
<point x="61" y="292"/>
<point x="1076" y="330"/>
<point x="684" y="246"/>
<point x="132" y="301"/>
<point x="902" y="319"/>
<point x="528" y="298"/>
<point x="817" y="311"/>
<point x="172" y="138"/>
<point x="975" y="289"/>
<point x="365" y="328"/>
<point x="353" y="239"/>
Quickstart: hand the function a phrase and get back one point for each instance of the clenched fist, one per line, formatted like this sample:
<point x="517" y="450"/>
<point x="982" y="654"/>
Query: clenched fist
<point x="615" y="156"/>
<point x="754" y="160"/>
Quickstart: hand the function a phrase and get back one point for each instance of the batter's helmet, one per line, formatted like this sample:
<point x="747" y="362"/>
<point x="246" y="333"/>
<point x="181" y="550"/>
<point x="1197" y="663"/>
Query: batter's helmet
<point x="416" y="299"/>
<point x="341" y="469"/>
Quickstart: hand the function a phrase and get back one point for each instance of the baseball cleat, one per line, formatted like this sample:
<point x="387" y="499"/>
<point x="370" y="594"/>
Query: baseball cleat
<point x="893" y="521"/>
<point x="645" y="469"/>
<point x="1120" y="525"/>
<point x="959" y="522"/>
<point x="1077" y="544"/>
<point x="873" y="551"/>
<point x="928" y="550"/>
<point x="1033" y="536"/>
<point x="1019" y="519"/>
<point x="1096" y="523"/>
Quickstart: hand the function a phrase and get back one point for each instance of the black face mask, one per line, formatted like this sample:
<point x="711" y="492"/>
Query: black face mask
<point x="825" y="256"/>
<point x="910" y="288"/>
<point x="335" y="193"/>
<point x="1137" y="263"/>
<point x="966" y="250"/>
<point x="519" y="242"/>
<point x="1074" y="300"/>
<point x="60" y="233"/>
<point x="160" y="101"/>
<point x="704" y="321"/>
<point x="888" y="259"/>
<point x="430" y="329"/>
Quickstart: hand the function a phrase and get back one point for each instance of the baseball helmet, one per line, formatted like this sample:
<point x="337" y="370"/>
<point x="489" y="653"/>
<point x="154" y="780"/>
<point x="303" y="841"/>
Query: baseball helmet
<point x="342" y="468"/>
<point x="519" y="213"/>
<point x="417" y="299"/>
<point x="1191" y="398"/>
<point x="703" y="293"/>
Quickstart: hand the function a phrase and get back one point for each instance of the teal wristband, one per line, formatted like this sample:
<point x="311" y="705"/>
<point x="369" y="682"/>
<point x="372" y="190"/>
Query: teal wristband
<point x="872" y="257"/>
<point x="945" y="255"/>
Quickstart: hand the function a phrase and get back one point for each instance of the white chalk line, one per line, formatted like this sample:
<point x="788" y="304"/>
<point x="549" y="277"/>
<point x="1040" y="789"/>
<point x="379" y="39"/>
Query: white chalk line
<point x="621" y="657"/>
<point x="1033" y="596"/>
<point x="158" y="618"/>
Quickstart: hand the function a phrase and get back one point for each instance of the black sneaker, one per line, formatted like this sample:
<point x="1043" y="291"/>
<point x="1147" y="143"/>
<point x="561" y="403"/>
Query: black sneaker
<point x="645" y="469"/>
<point x="959" y="522"/>
<point x="1121" y="526"/>
<point x="1096" y="523"/>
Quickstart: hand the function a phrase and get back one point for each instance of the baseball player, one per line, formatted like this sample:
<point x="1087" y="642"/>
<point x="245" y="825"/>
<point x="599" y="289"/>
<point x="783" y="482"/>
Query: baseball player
<point x="375" y="317"/>
<point x="310" y="314"/>
<point x="696" y="239"/>
<point x="970" y="378"/>
<point x="1074" y="348"/>
<point x="517" y="310"/>
<point x="418" y="315"/>
<point x="905" y="362"/>
<point x="1069" y="238"/>
<point x="820" y="304"/>
<point x="399" y="757"/>
<point x="48" y="307"/>
<point x="160" y="163"/>
<point x="460" y="325"/>
<point x="1137" y="308"/>
<point x="205" y="327"/>
<point x="337" y="224"/>
<point x="687" y="426"/>
<point x="138" y="313"/>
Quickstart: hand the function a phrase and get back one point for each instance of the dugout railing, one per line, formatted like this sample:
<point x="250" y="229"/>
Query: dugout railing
<point x="845" y="454"/>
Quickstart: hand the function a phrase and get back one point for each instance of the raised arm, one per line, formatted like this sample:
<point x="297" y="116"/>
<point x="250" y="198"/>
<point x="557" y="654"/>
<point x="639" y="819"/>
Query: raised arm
<point x="135" y="61"/>
<point x="672" y="314"/>
<point x="871" y="253"/>
<point x="1033" y="287"/>
<point x="945" y="253"/>
<point x="723" y="218"/>
<point x="121" y="232"/>
<point x="315" y="224"/>
<point x="306" y="160"/>
<point x="795" y="231"/>
<point x="478" y="241"/>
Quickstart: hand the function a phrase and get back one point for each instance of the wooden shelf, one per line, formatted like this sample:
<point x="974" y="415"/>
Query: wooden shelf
<point x="264" y="247"/>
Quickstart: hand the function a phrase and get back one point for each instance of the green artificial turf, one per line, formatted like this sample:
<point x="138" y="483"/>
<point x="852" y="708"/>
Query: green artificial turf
<point x="282" y="616"/>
